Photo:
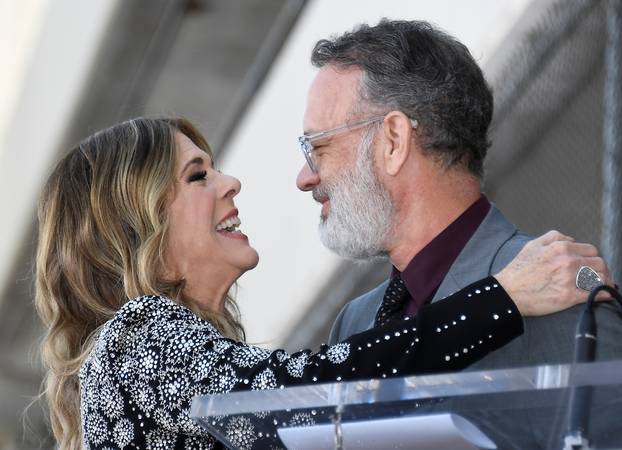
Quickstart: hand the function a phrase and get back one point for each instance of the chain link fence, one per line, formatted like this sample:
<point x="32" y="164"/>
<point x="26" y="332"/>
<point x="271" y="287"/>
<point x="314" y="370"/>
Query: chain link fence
<point x="544" y="166"/>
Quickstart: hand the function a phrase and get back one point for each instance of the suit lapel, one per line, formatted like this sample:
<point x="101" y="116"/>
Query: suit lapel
<point x="475" y="260"/>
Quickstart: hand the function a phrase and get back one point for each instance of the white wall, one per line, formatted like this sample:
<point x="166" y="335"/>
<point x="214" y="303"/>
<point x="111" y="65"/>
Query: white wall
<point x="48" y="64"/>
<point x="20" y="25"/>
<point x="281" y="221"/>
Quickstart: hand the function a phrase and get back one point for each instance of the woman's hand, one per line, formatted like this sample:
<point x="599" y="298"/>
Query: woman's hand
<point x="541" y="278"/>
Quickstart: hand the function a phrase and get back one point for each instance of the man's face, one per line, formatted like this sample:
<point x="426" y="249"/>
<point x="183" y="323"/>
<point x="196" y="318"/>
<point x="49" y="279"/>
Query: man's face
<point x="355" y="219"/>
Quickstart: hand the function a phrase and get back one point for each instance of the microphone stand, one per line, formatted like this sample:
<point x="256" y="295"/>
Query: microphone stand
<point x="585" y="351"/>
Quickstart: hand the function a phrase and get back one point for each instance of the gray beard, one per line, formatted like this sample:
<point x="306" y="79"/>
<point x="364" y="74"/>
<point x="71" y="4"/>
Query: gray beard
<point x="359" y="221"/>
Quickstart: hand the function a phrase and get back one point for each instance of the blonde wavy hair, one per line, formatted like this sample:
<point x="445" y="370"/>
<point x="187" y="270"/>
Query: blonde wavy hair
<point x="102" y="240"/>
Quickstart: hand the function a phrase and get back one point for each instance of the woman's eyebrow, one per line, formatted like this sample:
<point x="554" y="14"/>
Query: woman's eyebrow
<point x="198" y="160"/>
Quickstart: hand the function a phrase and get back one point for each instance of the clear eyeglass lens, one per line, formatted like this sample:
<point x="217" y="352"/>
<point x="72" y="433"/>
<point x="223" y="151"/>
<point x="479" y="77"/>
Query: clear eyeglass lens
<point x="307" y="148"/>
<point x="310" y="159"/>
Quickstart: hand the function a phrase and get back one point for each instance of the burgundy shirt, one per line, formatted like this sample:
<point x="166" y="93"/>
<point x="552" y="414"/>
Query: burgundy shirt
<point x="428" y="268"/>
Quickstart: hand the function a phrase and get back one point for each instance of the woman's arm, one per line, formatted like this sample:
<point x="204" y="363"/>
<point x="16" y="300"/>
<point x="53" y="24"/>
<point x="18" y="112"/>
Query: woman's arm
<point x="161" y="355"/>
<point x="444" y="336"/>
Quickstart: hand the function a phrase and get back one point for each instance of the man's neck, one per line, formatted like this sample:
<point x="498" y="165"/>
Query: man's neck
<point x="422" y="220"/>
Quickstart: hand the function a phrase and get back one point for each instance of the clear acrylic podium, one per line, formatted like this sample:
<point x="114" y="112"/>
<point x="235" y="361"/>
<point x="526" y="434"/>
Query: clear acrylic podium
<point x="521" y="408"/>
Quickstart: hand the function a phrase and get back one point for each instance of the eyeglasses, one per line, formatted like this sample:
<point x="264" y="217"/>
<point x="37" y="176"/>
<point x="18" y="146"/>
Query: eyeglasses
<point x="307" y="141"/>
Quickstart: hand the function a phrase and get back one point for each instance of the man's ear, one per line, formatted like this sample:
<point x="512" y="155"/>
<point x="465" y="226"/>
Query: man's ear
<point x="398" y="133"/>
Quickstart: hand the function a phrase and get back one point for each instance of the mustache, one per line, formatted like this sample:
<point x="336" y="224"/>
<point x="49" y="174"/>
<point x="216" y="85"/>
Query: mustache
<point x="320" y="193"/>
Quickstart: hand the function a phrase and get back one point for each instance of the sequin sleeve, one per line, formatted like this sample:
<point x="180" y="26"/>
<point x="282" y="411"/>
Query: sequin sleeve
<point x="155" y="356"/>
<point x="444" y="336"/>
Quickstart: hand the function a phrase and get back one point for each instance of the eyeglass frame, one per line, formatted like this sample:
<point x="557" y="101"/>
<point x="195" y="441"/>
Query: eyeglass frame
<point x="306" y="140"/>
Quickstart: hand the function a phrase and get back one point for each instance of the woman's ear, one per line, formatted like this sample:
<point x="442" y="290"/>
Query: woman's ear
<point x="398" y="133"/>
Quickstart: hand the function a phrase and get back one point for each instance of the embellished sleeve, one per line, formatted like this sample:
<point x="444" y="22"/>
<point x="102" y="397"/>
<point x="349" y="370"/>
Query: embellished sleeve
<point x="445" y="336"/>
<point x="163" y="355"/>
<point x="155" y="356"/>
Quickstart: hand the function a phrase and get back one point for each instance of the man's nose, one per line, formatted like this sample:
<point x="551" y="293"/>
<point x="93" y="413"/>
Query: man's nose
<point x="307" y="179"/>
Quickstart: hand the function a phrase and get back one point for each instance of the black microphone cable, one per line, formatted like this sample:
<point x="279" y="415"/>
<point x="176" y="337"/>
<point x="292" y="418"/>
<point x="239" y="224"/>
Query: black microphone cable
<point x="585" y="351"/>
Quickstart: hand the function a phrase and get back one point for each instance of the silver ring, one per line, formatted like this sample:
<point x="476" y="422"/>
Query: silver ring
<point x="588" y="279"/>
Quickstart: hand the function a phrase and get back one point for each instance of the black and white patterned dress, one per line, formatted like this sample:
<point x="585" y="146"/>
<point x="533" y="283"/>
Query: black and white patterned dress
<point x="155" y="355"/>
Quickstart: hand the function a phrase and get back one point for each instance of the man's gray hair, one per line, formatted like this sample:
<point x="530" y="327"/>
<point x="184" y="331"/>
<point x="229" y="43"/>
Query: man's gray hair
<point x="413" y="67"/>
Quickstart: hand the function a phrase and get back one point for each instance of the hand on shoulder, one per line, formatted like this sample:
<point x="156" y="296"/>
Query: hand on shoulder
<point x="541" y="279"/>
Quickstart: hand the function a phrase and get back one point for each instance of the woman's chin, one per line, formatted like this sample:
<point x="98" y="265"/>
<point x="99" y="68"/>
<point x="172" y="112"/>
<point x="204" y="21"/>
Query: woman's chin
<point x="249" y="262"/>
<point x="254" y="260"/>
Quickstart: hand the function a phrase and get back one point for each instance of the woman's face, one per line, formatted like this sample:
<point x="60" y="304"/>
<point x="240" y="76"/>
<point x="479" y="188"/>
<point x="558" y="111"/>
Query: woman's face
<point x="204" y="243"/>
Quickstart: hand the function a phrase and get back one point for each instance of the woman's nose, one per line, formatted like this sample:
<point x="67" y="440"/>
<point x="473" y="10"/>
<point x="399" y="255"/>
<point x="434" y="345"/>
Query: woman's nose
<point x="231" y="185"/>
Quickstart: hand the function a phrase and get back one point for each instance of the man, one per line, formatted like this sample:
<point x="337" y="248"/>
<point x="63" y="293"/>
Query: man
<point x="398" y="173"/>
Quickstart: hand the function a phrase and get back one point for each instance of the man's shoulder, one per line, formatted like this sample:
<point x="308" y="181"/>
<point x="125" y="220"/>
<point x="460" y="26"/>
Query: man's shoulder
<point x="493" y="245"/>
<point x="497" y="240"/>
<point x="358" y="314"/>
<point x="370" y="298"/>
<point x="509" y="249"/>
<point x="510" y="239"/>
<point x="547" y="339"/>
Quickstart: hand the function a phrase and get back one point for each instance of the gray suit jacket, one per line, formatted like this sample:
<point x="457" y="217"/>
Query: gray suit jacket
<point x="547" y="339"/>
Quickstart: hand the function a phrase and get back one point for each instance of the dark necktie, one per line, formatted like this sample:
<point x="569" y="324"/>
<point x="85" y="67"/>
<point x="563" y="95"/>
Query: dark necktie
<point x="394" y="299"/>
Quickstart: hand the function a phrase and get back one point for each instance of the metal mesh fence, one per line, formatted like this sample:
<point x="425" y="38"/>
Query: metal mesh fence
<point x="544" y="167"/>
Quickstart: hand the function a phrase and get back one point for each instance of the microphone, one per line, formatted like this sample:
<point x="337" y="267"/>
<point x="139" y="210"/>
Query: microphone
<point x="585" y="351"/>
<point x="580" y="397"/>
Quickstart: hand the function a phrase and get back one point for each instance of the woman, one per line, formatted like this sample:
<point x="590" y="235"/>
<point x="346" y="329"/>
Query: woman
<point x="138" y="247"/>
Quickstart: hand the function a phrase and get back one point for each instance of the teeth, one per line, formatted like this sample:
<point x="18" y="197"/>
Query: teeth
<point x="229" y="224"/>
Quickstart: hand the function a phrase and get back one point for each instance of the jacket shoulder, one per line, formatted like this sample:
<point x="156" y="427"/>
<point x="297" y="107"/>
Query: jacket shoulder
<point x="358" y="314"/>
<point x="508" y="250"/>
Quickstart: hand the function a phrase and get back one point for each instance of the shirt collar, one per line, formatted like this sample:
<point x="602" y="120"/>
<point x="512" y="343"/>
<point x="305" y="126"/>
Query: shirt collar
<point x="425" y="272"/>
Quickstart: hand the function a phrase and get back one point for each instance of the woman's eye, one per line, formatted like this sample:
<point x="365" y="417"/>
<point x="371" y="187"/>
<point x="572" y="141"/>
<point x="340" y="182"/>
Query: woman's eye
<point x="198" y="176"/>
